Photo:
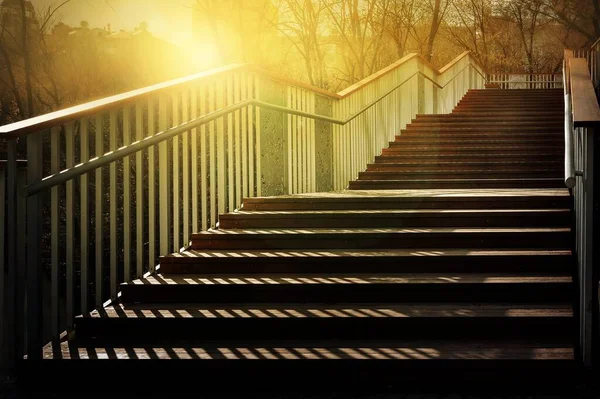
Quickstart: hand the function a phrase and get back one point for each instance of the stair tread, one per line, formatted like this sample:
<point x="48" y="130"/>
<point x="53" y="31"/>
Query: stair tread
<point x="322" y="350"/>
<point x="194" y="255"/>
<point x="386" y="213"/>
<point x="340" y="310"/>
<point x="345" y="279"/>
<point x="420" y="193"/>
<point x="231" y="234"/>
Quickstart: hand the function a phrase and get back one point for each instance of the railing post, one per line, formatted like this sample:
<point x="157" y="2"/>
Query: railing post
<point x="34" y="239"/>
<point x="273" y="136"/>
<point x="586" y="282"/>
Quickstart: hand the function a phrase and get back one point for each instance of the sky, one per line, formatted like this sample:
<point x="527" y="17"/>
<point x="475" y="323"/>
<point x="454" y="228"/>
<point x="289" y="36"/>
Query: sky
<point x="170" y="20"/>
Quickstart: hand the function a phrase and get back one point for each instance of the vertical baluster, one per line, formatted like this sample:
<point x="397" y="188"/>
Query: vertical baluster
<point x="221" y="183"/>
<point x="126" y="196"/>
<point x="238" y="150"/>
<point x="258" y="145"/>
<point x="203" y="160"/>
<point x="304" y="145"/>
<point x="34" y="240"/>
<point x="213" y="157"/>
<point x="336" y="146"/>
<point x="185" y="116"/>
<point x="289" y="149"/>
<point x="251" y="144"/>
<point x="176" y="159"/>
<point x="4" y="315"/>
<point x="151" y="190"/>
<point x="84" y="141"/>
<point x="70" y="223"/>
<point x="194" y="160"/>
<point x="113" y="206"/>
<point x="295" y="161"/>
<point x="245" y="177"/>
<point x="163" y="178"/>
<point x="139" y="192"/>
<point x="313" y="147"/>
<point x="348" y="142"/>
<point x="300" y="142"/>
<point x="54" y="226"/>
<point x="230" y="155"/>
<point x="98" y="213"/>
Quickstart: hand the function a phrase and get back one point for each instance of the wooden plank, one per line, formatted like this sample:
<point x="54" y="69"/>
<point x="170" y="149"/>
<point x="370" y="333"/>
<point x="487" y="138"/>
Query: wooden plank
<point x="176" y="158"/>
<point x="127" y="197"/>
<point x="139" y="192"/>
<point x="54" y="235"/>
<point x="326" y="350"/>
<point x="70" y="223"/>
<point x="151" y="188"/>
<point x="113" y="207"/>
<point x="586" y="112"/>
<point x="84" y="141"/>
<point x="95" y="107"/>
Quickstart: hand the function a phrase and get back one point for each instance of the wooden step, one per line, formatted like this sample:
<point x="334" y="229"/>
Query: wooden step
<point x="465" y="166"/>
<point x="457" y="183"/>
<point x="488" y="135"/>
<point x="393" y="155"/>
<point x="478" y="124"/>
<point x="350" y="288"/>
<point x="414" y="199"/>
<point x="149" y="324"/>
<point x="397" y="218"/>
<point x="549" y="238"/>
<point x="477" y="117"/>
<point x="481" y="128"/>
<point x="413" y="260"/>
<point x="459" y="174"/>
<point x="464" y="142"/>
<point x="546" y="366"/>
<point x="484" y="150"/>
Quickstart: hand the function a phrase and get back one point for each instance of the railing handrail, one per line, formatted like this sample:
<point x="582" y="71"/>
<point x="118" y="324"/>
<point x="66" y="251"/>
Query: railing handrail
<point x="38" y="123"/>
<point x="586" y="112"/>
<point x="526" y="74"/>
<point x="569" y="147"/>
<point x="110" y="157"/>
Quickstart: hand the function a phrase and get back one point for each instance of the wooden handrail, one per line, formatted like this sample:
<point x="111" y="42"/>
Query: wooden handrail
<point x="46" y="121"/>
<point x="586" y="112"/>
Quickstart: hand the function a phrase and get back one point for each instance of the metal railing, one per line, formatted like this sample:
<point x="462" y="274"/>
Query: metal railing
<point x="582" y="118"/>
<point x="114" y="184"/>
<point x="527" y="80"/>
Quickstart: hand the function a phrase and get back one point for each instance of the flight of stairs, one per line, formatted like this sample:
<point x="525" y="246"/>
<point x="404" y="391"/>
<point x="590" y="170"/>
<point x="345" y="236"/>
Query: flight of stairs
<point x="446" y="265"/>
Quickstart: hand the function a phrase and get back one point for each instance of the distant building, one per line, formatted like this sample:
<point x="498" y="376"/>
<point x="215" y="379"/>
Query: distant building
<point x="11" y="16"/>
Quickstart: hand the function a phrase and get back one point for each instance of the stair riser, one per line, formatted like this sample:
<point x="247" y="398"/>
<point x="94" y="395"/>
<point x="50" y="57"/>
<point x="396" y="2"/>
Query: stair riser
<point x="351" y="293"/>
<point x="449" y="184"/>
<point x="534" y="202"/>
<point x="552" y="377"/>
<point x="477" y="118"/>
<point x="365" y="176"/>
<point x="470" y="124"/>
<point x="370" y="221"/>
<point x="475" y="138"/>
<point x="383" y="167"/>
<point x="147" y="331"/>
<point x="487" y="151"/>
<point x="549" y="264"/>
<point x="467" y="144"/>
<point x="389" y="156"/>
<point x="550" y="240"/>
<point x="502" y="136"/>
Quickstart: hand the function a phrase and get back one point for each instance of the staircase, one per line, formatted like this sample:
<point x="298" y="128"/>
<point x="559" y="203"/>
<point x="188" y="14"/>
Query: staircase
<point x="446" y="265"/>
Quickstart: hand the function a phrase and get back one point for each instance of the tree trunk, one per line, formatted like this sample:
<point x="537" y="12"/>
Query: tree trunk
<point x="434" y="29"/>
<point x="27" y="62"/>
